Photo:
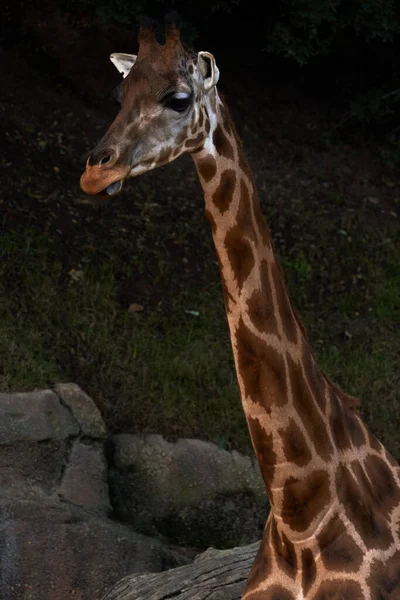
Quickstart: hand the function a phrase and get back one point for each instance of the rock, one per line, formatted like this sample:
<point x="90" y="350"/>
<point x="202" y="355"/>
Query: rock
<point x="51" y="551"/>
<point x="214" y="575"/>
<point x="84" y="482"/>
<point x="55" y="538"/>
<point x="83" y="408"/>
<point x="191" y="492"/>
<point x="37" y="448"/>
<point x="33" y="417"/>
<point x="32" y="466"/>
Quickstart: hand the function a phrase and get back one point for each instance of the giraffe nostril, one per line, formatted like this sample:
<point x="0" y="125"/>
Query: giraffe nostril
<point x="104" y="160"/>
<point x="101" y="158"/>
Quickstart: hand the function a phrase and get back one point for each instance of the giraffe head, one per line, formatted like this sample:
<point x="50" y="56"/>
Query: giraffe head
<point x="165" y="99"/>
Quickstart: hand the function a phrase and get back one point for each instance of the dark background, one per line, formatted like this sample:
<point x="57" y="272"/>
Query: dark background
<point x="343" y="52"/>
<point x="104" y="294"/>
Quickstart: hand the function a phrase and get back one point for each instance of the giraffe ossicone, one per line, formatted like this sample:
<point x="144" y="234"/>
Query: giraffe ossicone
<point x="334" y="527"/>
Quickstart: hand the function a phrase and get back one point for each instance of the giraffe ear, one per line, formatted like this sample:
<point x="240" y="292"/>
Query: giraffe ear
<point x="209" y="69"/>
<point x="123" y="62"/>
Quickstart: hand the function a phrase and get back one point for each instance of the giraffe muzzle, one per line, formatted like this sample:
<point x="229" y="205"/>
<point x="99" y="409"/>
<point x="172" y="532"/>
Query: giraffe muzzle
<point x="106" y="183"/>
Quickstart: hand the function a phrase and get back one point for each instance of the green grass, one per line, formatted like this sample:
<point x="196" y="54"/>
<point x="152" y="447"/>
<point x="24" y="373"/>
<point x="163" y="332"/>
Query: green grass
<point x="169" y="368"/>
<point x="170" y="372"/>
<point x="356" y="328"/>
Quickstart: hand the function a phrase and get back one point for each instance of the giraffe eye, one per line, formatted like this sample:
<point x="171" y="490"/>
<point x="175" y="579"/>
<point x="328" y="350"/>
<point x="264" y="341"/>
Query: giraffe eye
<point x="177" y="101"/>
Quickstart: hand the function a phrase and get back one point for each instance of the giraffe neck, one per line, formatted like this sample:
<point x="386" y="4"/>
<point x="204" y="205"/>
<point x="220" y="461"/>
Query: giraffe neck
<point x="295" y="417"/>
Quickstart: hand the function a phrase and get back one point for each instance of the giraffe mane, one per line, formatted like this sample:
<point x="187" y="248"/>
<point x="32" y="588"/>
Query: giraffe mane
<point x="348" y="401"/>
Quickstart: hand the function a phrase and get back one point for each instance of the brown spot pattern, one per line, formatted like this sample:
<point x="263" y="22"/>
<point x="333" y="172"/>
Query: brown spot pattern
<point x="294" y="445"/>
<point x="262" y="563"/>
<point x="338" y="423"/>
<point x="240" y="255"/>
<point x="355" y="429"/>
<point x="309" y="570"/>
<point x="285" y="309"/>
<point x="305" y="405"/>
<point x="275" y="592"/>
<point x="165" y="155"/>
<point x="339" y="590"/>
<point x="243" y="217"/>
<point x="304" y="499"/>
<point x="285" y="554"/>
<point x="227" y="295"/>
<point x="195" y="142"/>
<point x="223" y="195"/>
<point x="374" y="443"/>
<point x="384" y="579"/>
<point x="361" y="508"/>
<point x="261" y="368"/>
<point x="243" y="164"/>
<point x="385" y="489"/>
<point x="260" y="306"/>
<point x="211" y="220"/>
<point x="257" y="208"/>
<point x="312" y="370"/>
<point x="181" y="138"/>
<point x="201" y="118"/>
<point x="221" y="143"/>
<point x="207" y="167"/>
<point x="264" y="449"/>
<point x="266" y="235"/>
<point x="339" y="551"/>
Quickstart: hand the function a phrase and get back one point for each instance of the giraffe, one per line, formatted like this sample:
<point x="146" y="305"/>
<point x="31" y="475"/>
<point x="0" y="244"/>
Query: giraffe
<point x="334" y="527"/>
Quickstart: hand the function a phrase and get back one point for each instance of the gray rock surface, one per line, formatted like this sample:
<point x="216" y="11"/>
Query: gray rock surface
<point x="84" y="481"/>
<point x="56" y="540"/>
<point x="51" y="551"/>
<point x="191" y="492"/>
<point x="33" y="417"/>
<point x="83" y="409"/>
<point x="32" y="466"/>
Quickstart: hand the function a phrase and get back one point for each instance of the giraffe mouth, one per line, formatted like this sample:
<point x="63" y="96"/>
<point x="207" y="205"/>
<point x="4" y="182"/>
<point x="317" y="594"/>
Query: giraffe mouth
<point x="113" y="189"/>
<point x="110" y="191"/>
<point x="104" y="184"/>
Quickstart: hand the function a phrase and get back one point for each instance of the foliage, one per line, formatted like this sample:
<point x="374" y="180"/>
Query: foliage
<point x="127" y="13"/>
<point x="305" y="29"/>
<point x="110" y="11"/>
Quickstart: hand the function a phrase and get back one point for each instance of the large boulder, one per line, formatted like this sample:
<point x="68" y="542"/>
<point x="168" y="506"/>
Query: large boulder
<point x="34" y="417"/>
<point x="45" y="448"/>
<point x="53" y="551"/>
<point x="190" y="492"/>
<point x="56" y="537"/>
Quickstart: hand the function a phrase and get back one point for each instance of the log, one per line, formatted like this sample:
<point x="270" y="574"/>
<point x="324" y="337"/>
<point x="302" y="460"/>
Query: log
<point x="214" y="575"/>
